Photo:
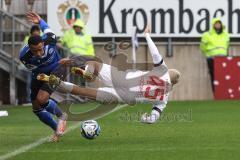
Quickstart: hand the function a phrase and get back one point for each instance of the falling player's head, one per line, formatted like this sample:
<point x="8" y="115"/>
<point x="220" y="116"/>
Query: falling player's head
<point x="36" y="45"/>
<point x="174" y="76"/>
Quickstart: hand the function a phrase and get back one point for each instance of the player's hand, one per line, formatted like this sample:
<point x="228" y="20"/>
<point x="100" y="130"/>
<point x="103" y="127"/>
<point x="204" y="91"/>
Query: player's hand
<point x="59" y="45"/>
<point x="33" y="17"/>
<point x="148" y="119"/>
<point x="147" y="29"/>
<point x="66" y="62"/>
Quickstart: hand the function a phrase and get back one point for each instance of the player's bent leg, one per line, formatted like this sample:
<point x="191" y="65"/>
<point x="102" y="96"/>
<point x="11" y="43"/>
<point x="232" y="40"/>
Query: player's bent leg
<point x="44" y="116"/>
<point x="108" y="95"/>
<point x="42" y="97"/>
<point x="91" y="70"/>
<point x="53" y="108"/>
<point x="39" y="105"/>
<point x="95" y="69"/>
<point x="39" y="100"/>
<point x="89" y="76"/>
<point x="86" y="92"/>
<point x="47" y="108"/>
<point x="103" y="95"/>
<point x="100" y="94"/>
<point x="68" y="87"/>
<point x="62" y="124"/>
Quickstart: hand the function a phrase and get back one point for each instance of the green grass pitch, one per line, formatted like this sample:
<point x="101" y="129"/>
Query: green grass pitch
<point x="208" y="130"/>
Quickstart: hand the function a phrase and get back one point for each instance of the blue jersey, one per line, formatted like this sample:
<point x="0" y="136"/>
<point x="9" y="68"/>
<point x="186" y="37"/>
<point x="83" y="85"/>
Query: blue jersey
<point x="49" y="61"/>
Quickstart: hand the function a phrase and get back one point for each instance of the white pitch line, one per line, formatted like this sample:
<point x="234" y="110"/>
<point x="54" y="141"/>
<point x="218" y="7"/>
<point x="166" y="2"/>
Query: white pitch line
<point x="32" y="145"/>
<point x="43" y="140"/>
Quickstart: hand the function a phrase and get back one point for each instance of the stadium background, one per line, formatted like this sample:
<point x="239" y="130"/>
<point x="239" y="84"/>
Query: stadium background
<point x="199" y="129"/>
<point x="182" y="53"/>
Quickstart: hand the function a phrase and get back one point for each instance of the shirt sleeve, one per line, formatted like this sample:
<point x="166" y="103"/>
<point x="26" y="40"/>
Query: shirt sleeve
<point x="48" y="36"/>
<point x="156" y="56"/>
<point x="24" y="57"/>
<point x="44" y="27"/>
<point x="28" y="65"/>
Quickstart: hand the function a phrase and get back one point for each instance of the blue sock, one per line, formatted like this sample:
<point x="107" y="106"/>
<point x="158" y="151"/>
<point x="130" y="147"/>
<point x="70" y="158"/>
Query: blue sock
<point x="53" y="108"/>
<point x="46" y="118"/>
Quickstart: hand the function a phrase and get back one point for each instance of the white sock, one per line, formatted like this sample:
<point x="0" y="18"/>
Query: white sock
<point x="157" y="58"/>
<point x="66" y="86"/>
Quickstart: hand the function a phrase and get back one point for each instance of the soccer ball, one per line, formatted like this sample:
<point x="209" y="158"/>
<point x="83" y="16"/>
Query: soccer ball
<point x="90" y="129"/>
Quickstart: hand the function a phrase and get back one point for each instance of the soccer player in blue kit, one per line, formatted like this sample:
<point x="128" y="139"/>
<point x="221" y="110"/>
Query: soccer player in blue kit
<point x="40" y="55"/>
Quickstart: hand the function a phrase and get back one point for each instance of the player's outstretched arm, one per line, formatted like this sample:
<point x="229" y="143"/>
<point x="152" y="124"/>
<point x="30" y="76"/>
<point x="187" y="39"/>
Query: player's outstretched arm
<point x="49" y="37"/>
<point x="157" y="58"/>
<point x="36" y="19"/>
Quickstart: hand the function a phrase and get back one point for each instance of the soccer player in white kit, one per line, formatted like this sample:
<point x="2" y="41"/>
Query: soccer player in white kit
<point x="130" y="86"/>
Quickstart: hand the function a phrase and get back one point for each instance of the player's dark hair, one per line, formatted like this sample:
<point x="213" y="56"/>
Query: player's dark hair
<point x="34" y="28"/>
<point x="34" y="40"/>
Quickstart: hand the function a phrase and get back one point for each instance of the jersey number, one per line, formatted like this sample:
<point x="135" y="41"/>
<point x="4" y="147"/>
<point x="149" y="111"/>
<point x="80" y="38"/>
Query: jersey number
<point x="155" y="81"/>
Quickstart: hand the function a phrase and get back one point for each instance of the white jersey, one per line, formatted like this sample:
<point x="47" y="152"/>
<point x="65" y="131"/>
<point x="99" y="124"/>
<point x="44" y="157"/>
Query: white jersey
<point x="134" y="86"/>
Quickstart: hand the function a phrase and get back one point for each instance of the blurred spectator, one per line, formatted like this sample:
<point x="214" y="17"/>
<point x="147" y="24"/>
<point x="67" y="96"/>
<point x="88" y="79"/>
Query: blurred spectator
<point x="78" y="41"/>
<point x="35" y="30"/>
<point x="80" y="46"/>
<point x="214" y="43"/>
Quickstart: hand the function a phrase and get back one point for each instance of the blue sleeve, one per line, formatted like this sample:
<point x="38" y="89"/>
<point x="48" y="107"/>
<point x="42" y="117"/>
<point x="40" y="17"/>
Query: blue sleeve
<point x="48" y="37"/>
<point x="22" y="53"/>
<point x="24" y="57"/>
<point x="44" y="26"/>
